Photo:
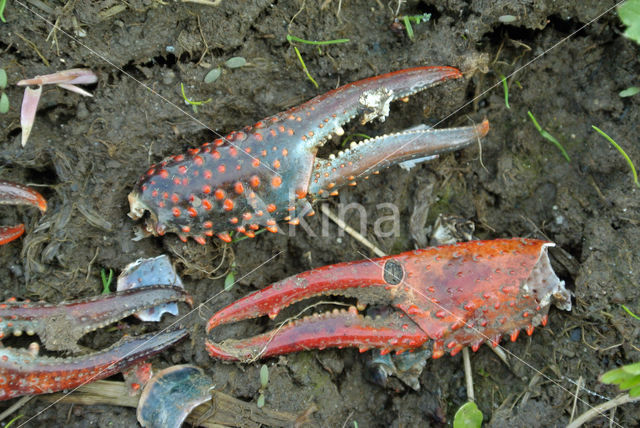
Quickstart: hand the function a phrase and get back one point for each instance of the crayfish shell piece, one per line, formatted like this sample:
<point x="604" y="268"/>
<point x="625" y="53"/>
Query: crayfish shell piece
<point x="169" y="397"/>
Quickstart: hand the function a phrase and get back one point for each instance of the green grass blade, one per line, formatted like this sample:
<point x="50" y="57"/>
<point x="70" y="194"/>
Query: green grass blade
<point x="622" y="152"/>
<point x="291" y="39"/>
<point x="548" y="136"/>
<point x="627" y="310"/>
<point x="304" y="67"/>
<point x="506" y="90"/>
<point x="3" y="3"/>
<point x="408" y="27"/>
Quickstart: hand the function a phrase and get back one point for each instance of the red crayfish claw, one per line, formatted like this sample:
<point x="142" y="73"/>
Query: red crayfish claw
<point x="451" y="297"/>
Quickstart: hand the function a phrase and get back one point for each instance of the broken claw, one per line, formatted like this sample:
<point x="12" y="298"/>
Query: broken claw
<point x="17" y="194"/>
<point x="60" y="326"/>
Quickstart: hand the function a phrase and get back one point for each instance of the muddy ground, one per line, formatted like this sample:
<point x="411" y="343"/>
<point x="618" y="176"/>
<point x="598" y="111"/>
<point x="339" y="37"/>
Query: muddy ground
<point x="85" y="154"/>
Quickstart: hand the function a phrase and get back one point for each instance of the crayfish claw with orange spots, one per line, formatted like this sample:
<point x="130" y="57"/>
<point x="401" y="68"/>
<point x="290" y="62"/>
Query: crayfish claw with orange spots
<point x="269" y="172"/>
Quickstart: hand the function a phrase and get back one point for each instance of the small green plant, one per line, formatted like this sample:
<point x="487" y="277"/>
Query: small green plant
<point x="549" y="137"/>
<point x="468" y="416"/>
<point x="230" y="279"/>
<point x="622" y="152"/>
<point x="291" y="39"/>
<point x="629" y="13"/>
<point x="3" y="3"/>
<point x="106" y="281"/>
<point x="193" y="104"/>
<point x="416" y="19"/>
<point x="626" y="377"/>
<point x="264" y="380"/>
<point x="505" y="86"/>
<point x="4" y="99"/>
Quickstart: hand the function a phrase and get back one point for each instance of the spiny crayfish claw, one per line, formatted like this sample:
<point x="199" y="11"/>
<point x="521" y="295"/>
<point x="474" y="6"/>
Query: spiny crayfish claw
<point x="17" y="194"/>
<point x="339" y="329"/>
<point x="23" y="373"/>
<point x="451" y="296"/>
<point x="61" y="326"/>
<point x="370" y="156"/>
<point x="267" y="173"/>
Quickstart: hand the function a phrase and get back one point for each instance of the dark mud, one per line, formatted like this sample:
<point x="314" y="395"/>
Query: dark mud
<point x="85" y="154"/>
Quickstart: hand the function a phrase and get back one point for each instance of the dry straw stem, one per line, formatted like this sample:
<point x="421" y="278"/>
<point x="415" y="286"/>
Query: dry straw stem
<point x="223" y="410"/>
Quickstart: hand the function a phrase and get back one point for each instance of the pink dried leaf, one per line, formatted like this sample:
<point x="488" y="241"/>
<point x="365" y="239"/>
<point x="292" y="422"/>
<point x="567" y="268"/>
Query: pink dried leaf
<point x="78" y="76"/>
<point x="28" y="111"/>
<point x="74" y="88"/>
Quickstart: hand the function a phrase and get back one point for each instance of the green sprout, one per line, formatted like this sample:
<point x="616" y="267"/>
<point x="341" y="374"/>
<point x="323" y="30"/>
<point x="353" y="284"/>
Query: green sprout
<point x="230" y="279"/>
<point x="629" y="92"/>
<point x="548" y="136"/>
<point x="264" y="380"/>
<point x="193" y="104"/>
<point x="3" y="3"/>
<point x="416" y="19"/>
<point x="106" y="282"/>
<point x="352" y="137"/>
<point x="622" y="152"/>
<point x="291" y="39"/>
<point x="627" y="310"/>
<point x="304" y="67"/>
<point x="12" y="421"/>
<point x="506" y="90"/>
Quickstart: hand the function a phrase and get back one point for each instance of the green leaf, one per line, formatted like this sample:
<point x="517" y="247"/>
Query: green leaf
<point x="468" y="416"/>
<point x="229" y="280"/>
<point x="629" y="92"/>
<point x="614" y="376"/>
<point x="629" y="13"/>
<point x="626" y="377"/>
<point x="264" y="375"/>
<point x="633" y="369"/>
<point x="213" y="75"/>
<point x="260" y="403"/>
<point x="3" y="78"/>
<point x="630" y="382"/>
<point x="4" y="103"/>
<point x="236" y="62"/>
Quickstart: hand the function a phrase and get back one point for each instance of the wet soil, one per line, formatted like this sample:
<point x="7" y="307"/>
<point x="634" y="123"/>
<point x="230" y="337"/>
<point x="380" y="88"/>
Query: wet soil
<point x="570" y="61"/>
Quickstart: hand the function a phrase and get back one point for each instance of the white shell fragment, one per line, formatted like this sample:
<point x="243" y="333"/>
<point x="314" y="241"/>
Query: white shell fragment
<point x="154" y="271"/>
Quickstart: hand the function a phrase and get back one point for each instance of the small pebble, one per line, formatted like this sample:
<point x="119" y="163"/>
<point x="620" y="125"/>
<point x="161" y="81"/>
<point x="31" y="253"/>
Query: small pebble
<point x="576" y="335"/>
<point x="507" y="19"/>
<point x="168" y="77"/>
